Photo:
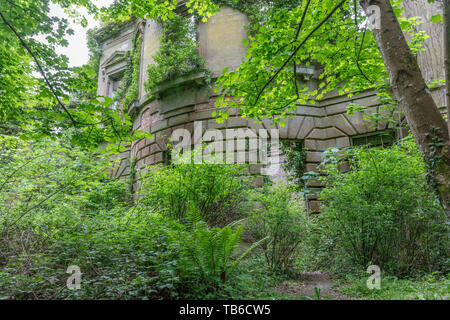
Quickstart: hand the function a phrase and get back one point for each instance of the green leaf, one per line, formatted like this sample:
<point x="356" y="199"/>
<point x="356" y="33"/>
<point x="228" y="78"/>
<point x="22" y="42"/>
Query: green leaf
<point x="436" y="18"/>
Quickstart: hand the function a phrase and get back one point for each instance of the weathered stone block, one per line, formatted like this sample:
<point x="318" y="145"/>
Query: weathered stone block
<point x="180" y="119"/>
<point x="342" y="123"/>
<point x="306" y="127"/>
<point x="293" y="126"/>
<point x="323" y="145"/>
<point x="310" y="111"/>
<point x="312" y="156"/>
<point x="344" y="166"/>
<point x="358" y="122"/>
<point x="159" y="157"/>
<point x="220" y="40"/>
<point x="310" y="144"/>
<point x="237" y="122"/>
<point x="158" y="126"/>
<point x="318" y="133"/>
<point x="343" y="142"/>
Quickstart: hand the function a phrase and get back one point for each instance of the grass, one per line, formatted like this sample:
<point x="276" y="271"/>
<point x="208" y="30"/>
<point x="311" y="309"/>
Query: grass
<point x="425" y="287"/>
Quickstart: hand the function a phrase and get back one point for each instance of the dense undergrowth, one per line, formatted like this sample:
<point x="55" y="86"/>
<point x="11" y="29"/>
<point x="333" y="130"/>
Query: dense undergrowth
<point x="424" y="287"/>
<point x="206" y="232"/>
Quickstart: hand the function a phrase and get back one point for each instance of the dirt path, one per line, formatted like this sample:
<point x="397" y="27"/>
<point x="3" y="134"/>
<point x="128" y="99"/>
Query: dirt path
<point x="306" y="284"/>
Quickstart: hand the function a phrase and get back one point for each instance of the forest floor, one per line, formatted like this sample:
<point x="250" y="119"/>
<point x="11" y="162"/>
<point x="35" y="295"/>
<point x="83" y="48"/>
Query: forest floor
<point x="313" y="284"/>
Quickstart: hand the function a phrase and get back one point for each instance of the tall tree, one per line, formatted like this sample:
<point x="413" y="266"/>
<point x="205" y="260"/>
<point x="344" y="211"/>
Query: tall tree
<point x="39" y="93"/>
<point x="414" y="97"/>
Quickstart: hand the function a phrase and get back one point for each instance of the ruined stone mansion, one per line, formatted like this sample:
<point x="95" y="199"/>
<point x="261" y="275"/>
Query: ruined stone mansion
<point x="183" y="101"/>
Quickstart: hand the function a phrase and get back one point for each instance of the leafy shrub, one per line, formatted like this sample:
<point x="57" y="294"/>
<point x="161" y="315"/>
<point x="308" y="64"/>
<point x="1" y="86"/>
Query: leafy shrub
<point x="58" y="209"/>
<point x="213" y="250"/>
<point x="217" y="191"/>
<point x="282" y="220"/>
<point x="124" y="254"/>
<point x="382" y="212"/>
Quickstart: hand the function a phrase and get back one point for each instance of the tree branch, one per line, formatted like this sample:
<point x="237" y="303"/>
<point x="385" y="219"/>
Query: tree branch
<point x="40" y="68"/>
<point x="298" y="48"/>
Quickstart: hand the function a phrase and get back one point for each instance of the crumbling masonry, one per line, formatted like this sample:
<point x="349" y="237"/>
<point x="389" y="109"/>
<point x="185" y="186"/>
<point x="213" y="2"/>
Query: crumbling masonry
<point x="185" y="100"/>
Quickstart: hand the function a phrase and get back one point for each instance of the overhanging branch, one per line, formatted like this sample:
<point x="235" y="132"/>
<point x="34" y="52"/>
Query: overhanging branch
<point x="40" y="68"/>
<point x="299" y="46"/>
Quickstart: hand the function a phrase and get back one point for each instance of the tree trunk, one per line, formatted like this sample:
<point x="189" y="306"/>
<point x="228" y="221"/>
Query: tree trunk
<point x="447" y="56"/>
<point x="410" y="90"/>
<point x="431" y="60"/>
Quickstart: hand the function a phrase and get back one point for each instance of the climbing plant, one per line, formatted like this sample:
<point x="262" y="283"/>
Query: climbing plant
<point x="257" y="10"/>
<point x="294" y="162"/>
<point x="177" y="55"/>
<point x="97" y="36"/>
<point x="129" y="88"/>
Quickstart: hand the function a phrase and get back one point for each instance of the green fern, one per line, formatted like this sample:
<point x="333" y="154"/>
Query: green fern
<point x="213" y="249"/>
<point x="193" y="218"/>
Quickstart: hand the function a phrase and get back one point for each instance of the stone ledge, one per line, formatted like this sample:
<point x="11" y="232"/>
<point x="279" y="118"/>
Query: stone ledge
<point x="196" y="79"/>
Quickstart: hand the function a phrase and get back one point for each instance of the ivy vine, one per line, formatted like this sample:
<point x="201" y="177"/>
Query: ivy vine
<point x="96" y="37"/>
<point x="178" y="54"/>
<point x="129" y="88"/>
<point x="435" y="156"/>
<point x="295" y="161"/>
<point x="256" y="10"/>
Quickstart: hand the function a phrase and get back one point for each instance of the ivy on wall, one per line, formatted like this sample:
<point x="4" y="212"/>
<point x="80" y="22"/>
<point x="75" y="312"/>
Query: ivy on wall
<point x="97" y="36"/>
<point x="178" y="54"/>
<point x="256" y="10"/>
<point x="129" y="88"/>
<point x="294" y="162"/>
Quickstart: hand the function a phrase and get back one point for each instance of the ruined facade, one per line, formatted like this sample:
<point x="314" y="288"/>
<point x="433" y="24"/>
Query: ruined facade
<point x="184" y="100"/>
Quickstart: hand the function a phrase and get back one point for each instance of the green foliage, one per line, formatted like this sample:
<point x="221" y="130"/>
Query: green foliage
<point x="34" y="107"/>
<point x="282" y="220"/>
<point x="58" y="208"/>
<point x="21" y="91"/>
<point x="129" y="88"/>
<point x="212" y="249"/>
<point x="178" y="54"/>
<point x="382" y="212"/>
<point x="294" y="162"/>
<point x="257" y="9"/>
<point x="157" y="9"/>
<point x="425" y="287"/>
<point x="38" y="176"/>
<point x="217" y="191"/>
<point x="251" y="280"/>
<point x="342" y="52"/>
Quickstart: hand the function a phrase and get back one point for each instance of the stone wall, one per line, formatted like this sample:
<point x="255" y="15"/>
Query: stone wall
<point x="185" y="100"/>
